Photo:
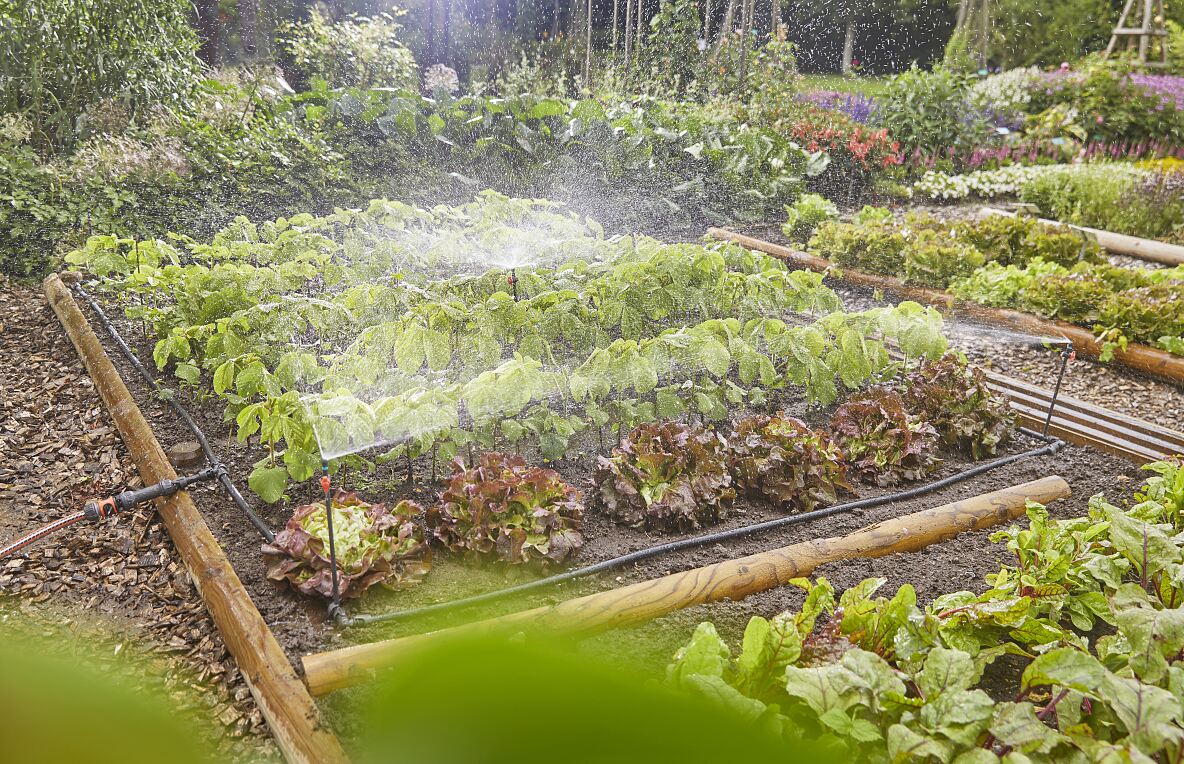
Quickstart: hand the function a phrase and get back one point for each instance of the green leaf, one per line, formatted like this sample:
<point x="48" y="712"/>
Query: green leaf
<point x="268" y="483"/>
<point x="188" y="372"/>
<point x="706" y="654"/>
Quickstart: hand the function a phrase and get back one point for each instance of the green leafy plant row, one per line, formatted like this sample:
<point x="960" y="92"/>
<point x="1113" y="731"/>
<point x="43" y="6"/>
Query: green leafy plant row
<point x="1017" y="263"/>
<point x="886" y="678"/>
<point x="397" y="325"/>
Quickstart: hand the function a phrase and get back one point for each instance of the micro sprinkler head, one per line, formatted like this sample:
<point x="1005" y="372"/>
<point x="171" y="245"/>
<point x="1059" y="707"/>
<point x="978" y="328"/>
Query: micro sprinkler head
<point x="512" y="280"/>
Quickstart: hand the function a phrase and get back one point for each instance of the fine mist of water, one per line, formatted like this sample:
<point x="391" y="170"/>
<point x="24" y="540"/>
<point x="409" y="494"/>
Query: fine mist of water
<point x="968" y="331"/>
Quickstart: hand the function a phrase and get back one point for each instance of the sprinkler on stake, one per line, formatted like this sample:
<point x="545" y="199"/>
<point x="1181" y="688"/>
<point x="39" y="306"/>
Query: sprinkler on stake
<point x="1068" y="353"/>
<point x="512" y="280"/>
<point x="327" y="487"/>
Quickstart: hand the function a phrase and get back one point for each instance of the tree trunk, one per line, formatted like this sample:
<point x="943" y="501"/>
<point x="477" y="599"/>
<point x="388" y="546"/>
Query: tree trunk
<point x="707" y="24"/>
<point x="248" y="28"/>
<point x="984" y="31"/>
<point x="628" y="33"/>
<point x="207" y="30"/>
<point x="446" y="33"/>
<point x="431" y="33"/>
<point x="746" y="11"/>
<point x="849" y="46"/>
<point x="640" y="33"/>
<point x="588" y="47"/>
<point x="963" y="9"/>
<point x="555" y="8"/>
<point x="616" y="22"/>
<point x="775" y="20"/>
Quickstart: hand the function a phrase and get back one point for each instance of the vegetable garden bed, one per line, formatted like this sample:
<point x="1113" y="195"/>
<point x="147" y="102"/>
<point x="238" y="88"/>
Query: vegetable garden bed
<point x="299" y="621"/>
<point x="1110" y="344"/>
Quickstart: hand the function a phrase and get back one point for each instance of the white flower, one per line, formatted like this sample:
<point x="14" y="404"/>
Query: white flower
<point x="440" y="77"/>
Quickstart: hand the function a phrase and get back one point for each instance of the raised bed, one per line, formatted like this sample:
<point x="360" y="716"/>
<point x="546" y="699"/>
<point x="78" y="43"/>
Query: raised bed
<point x="291" y="715"/>
<point x="1155" y="362"/>
<point x="1119" y="243"/>
<point x="731" y="580"/>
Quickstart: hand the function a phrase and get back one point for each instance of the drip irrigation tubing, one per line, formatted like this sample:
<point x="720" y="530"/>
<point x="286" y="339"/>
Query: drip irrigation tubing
<point x="1051" y="447"/>
<point x="223" y="474"/>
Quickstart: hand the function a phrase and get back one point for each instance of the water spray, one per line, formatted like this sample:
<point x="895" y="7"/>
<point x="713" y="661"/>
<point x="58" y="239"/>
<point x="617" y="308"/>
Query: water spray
<point x="97" y="510"/>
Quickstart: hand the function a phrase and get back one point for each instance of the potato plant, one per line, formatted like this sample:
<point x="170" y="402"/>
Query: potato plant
<point x="395" y="325"/>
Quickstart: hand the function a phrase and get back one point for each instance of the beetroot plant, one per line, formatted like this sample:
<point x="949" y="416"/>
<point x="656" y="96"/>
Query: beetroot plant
<point x="666" y="476"/>
<point x="373" y="545"/>
<point x="502" y="507"/>
<point x="882" y="443"/>
<point x="782" y="460"/>
<point x="955" y="399"/>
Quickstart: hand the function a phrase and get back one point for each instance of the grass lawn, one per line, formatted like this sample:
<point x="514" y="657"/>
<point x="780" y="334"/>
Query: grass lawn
<point x="868" y="86"/>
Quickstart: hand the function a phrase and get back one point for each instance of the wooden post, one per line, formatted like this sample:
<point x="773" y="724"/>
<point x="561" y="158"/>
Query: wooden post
<point x="628" y="33"/>
<point x="731" y="580"/>
<point x="1159" y="363"/>
<point x="616" y="22"/>
<point x="291" y="714"/>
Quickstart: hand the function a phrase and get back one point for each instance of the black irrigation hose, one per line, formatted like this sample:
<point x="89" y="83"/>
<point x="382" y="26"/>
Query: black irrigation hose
<point x="211" y="458"/>
<point x="1051" y="447"/>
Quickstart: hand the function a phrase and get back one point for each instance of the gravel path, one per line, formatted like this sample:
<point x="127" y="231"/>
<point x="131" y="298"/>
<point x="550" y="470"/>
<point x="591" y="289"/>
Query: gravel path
<point x="123" y="579"/>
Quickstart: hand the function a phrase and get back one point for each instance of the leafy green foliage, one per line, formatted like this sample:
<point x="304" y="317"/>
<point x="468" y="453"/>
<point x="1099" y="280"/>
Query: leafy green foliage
<point x="355" y="52"/>
<point x="606" y="334"/>
<point x="806" y="214"/>
<point x="883" y="678"/>
<point x="373" y="545"/>
<point x="782" y="460"/>
<point x="881" y="440"/>
<point x="501" y="507"/>
<point x="59" y="57"/>
<point x="954" y="397"/>
<point x="929" y="110"/>
<point x="666" y="476"/>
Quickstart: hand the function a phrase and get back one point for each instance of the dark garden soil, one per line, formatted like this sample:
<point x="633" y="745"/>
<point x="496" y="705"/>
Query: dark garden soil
<point x="122" y="580"/>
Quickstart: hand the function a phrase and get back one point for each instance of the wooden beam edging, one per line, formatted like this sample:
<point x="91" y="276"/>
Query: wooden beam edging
<point x="1119" y="243"/>
<point x="1158" y="363"/>
<point x="291" y="713"/>
<point x="728" y="580"/>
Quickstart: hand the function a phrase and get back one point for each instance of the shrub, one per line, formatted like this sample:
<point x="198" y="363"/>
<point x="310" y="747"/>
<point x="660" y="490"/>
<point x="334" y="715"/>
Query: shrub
<point x="930" y="110"/>
<point x="955" y="399"/>
<point x="503" y="507"/>
<point x="806" y="214"/>
<point x="357" y="52"/>
<point x="372" y="544"/>
<point x="666" y="476"/>
<point x="58" y="57"/>
<point x="782" y="460"/>
<point x="882" y="442"/>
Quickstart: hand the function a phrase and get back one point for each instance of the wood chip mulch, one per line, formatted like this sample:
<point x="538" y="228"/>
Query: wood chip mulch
<point x="58" y="448"/>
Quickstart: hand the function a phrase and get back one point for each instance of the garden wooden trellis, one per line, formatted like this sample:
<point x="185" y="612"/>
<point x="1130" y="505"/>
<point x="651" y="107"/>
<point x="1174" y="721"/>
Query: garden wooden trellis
<point x="1142" y="26"/>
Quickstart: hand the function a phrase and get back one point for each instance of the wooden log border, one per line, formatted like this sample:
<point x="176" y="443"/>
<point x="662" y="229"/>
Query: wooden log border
<point x="729" y="580"/>
<point x="1118" y="243"/>
<point x="291" y="713"/>
<point x="1158" y="363"/>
